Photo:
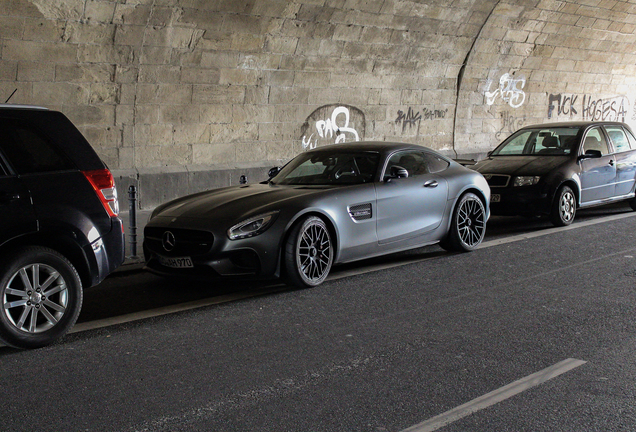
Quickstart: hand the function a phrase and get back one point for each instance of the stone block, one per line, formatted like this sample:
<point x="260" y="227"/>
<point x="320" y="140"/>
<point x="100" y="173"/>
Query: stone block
<point x="218" y="94"/>
<point x="195" y="75"/>
<point x="104" y="93"/>
<point x="258" y="95"/>
<point x="53" y="93"/>
<point x="214" y="114"/>
<point x="159" y="74"/>
<point x="91" y="115"/>
<point x="252" y="113"/>
<point x="280" y="45"/>
<point x="247" y="42"/>
<point x="152" y="135"/>
<point x="231" y="133"/>
<point x="214" y="154"/>
<point x="288" y="95"/>
<point x="240" y="77"/>
<point x="191" y="133"/>
<point x="28" y="71"/>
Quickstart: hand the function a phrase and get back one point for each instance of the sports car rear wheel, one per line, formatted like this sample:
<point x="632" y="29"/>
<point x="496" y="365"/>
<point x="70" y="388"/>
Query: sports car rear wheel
<point x="308" y="253"/>
<point x="468" y="225"/>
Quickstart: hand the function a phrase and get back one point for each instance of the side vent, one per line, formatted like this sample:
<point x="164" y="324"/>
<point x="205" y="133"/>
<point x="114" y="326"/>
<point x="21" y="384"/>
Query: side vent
<point x="360" y="212"/>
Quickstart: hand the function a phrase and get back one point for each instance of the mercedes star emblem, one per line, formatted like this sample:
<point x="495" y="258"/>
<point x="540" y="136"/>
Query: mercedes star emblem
<point x="168" y="241"/>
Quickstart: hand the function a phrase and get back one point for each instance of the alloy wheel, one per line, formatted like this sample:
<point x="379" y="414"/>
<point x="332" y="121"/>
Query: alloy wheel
<point x="314" y="253"/>
<point x="471" y="222"/>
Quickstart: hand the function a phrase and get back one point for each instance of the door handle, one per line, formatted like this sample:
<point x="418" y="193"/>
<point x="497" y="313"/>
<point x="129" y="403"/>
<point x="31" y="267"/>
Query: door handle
<point x="431" y="184"/>
<point x="611" y="162"/>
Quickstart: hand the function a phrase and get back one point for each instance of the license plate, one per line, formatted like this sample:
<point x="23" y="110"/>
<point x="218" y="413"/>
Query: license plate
<point x="180" y="262"/>
<point x="495" y="198"/>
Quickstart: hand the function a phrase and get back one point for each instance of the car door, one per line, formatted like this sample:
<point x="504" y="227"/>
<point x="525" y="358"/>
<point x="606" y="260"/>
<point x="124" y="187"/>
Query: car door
<point x="410" y="206"/>
<point x="598" y="174"/>
<point x="16" y="211"/>
<point x="625" y="160"/>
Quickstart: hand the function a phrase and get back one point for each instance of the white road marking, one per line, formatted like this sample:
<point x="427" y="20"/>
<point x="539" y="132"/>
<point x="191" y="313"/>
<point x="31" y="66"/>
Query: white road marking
<point x="496" y="396"/>
<point x="122" y="319"/>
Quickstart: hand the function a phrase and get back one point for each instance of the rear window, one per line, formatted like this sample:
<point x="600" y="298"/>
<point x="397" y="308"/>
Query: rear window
<point x="29" y="151"/>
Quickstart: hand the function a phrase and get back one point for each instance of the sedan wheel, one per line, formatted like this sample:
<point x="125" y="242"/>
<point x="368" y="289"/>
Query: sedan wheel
<point x="308" y="253"/>
<point x="468" y="226"/>
<point x="41" y="297"/>
<point x="564" y="207"/>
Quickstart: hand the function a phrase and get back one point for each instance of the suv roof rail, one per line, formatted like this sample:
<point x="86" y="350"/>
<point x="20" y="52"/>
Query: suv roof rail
<point x="16" y="106"/>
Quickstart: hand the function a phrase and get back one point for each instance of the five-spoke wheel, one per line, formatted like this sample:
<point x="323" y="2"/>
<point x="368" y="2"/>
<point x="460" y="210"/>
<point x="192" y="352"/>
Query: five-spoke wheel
<point x="468" y="224"/>
<point x="309" y="252"/>
<point x="41" y="297"/>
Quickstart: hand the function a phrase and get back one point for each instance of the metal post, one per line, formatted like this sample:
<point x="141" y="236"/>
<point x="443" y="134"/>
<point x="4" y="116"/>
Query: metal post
<point x="132" y="214"/>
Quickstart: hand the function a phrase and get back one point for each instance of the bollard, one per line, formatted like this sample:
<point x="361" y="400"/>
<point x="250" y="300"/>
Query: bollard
<point x="132" y="214"/>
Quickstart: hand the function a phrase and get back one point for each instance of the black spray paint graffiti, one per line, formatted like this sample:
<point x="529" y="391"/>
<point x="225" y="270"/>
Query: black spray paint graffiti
<point x="510" y="124"/>
<point x="333" y="124"/>
<point x="594" y="109"/>
<point x="412" y="117"/>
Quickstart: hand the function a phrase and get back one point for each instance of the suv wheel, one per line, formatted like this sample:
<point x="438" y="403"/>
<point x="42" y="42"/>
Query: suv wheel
<point x="41" y="295"/>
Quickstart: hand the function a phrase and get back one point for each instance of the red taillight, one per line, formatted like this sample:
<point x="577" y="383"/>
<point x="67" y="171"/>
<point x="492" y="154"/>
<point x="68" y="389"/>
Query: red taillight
<point x="104" y="184"/>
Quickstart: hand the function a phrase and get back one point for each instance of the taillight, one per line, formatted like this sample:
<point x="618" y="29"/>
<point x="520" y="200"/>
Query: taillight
<point x="104" y="184"/>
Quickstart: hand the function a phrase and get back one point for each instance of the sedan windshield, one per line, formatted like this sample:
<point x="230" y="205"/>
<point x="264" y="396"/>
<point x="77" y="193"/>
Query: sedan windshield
<point x="539" y="142"/>
<point x="325" y="168"/>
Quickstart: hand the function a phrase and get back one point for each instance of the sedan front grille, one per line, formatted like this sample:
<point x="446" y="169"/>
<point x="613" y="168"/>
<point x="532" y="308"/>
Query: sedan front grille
<point x="497" y="180"/>
<point x="177" y="242"/>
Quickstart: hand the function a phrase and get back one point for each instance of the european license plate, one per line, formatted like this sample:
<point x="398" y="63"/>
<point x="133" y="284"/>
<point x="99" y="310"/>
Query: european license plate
<point x="180" y="262"/>
<point x="495" y="198"/>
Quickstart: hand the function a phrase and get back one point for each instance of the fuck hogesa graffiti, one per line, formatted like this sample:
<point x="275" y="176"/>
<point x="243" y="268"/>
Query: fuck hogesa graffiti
<point x="591" y="108"/>
<point x="332" y="124"/>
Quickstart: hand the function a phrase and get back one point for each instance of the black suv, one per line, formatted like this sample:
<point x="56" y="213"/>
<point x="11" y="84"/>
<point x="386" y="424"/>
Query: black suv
<point x="59" y="224"/>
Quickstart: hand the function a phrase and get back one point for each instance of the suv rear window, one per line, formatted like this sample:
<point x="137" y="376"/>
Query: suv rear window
<point x="29" y="151"/>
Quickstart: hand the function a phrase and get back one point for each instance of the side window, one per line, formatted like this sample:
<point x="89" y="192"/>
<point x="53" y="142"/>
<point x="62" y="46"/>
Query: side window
<point x="413" y="161"/>
<point x="595" y="140"/>
<point x="631" y="139"/>
<point x="28" y="151"/>
<point x="435" y="163"/>
<point x="618" y="137"/>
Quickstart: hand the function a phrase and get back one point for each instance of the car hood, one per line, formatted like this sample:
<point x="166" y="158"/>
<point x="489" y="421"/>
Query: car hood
<point x="520" y="165"/>
<point x="235" y="201"/>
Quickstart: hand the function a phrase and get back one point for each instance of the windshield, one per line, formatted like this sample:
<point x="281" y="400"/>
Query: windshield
<point x="329" y="168"/>
<point x="545" y="141"/>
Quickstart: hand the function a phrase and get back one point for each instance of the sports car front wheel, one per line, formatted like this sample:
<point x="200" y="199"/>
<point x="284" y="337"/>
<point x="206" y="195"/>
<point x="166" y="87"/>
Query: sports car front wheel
<point x="468" y="225"/>
<point x="308" y="253"/>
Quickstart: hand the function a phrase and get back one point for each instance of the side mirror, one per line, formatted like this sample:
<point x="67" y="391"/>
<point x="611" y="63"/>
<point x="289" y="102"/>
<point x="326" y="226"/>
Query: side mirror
<point x="273" y="172"/>
<point x="591" y="154"/>
<point x="398" y="172"/>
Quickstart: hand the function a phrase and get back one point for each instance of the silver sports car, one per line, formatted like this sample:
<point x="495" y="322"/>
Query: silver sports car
<point x="330" y="205"/>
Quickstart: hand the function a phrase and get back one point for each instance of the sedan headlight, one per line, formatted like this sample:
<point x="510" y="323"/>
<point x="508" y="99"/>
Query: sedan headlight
<point x="252" y="227"/>
<point x="526" y="180"/>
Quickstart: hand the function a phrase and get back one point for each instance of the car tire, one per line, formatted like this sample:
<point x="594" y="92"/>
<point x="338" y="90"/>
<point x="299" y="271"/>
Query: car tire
<point x="564" y="207"/>
<point x="468" y="225"/>
<point x="632" y="203"/>
<point x="308" y="253"/>
<point x="41" y="294"/>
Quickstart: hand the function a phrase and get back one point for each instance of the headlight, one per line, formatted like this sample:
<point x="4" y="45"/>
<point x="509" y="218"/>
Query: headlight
<point x="526" y="180"/>
<point x="252" y="227"/>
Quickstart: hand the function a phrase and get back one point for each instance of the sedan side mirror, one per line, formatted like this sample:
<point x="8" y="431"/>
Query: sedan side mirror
<point x="273" y="172"/>
<point x="591" y="154"/>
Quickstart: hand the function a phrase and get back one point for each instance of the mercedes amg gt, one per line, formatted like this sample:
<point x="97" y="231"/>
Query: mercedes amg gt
<point x="329" y="205"/>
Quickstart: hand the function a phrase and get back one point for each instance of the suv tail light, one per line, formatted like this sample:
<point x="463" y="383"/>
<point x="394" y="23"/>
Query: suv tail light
<point x="104" y="185"/>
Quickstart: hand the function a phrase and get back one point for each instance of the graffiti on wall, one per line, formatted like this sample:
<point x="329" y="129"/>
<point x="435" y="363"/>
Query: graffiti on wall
<point x="333" y="124"/>
<point x="510" y="125"/>
<point x="589" y="107"/>
<point x="414" y="118"/>
<point x="510" y="90"/>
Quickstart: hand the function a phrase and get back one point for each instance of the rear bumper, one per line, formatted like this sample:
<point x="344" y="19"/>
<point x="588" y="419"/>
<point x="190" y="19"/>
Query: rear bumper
<point x="109" y="252"/>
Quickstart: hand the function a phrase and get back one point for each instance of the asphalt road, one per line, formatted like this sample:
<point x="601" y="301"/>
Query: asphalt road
<point x="372" y="349"/>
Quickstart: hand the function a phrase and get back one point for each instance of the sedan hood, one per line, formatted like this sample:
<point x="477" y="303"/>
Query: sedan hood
<point x="519" y="165"/>
<point x="234" y="201"/>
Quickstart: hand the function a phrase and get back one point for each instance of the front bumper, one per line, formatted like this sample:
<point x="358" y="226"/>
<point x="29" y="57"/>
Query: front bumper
<point x="207" y="254"/>
<point x="521" y="200"/>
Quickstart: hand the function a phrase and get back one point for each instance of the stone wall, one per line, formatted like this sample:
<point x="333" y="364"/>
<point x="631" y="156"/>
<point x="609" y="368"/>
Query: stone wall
<point x="184" y="95"/>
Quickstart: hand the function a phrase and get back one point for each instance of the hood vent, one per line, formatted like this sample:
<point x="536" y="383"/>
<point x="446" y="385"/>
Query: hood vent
<point x="360" y="212"/>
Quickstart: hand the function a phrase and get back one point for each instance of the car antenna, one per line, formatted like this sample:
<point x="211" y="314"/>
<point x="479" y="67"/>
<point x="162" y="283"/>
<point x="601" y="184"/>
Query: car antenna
<point x="7" y="101"/>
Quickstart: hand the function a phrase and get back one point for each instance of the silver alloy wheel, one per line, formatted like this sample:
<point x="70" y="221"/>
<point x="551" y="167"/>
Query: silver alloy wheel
<point x="35" y="298"/>
<point x="314" y="252"/>
<point x="471" y="221"/>
<point x="567" y="206"/>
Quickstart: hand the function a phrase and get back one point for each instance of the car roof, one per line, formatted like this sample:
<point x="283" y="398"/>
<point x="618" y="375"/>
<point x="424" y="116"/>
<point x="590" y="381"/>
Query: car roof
<point x="573" y="124"/>
<point x="376" y="146"/>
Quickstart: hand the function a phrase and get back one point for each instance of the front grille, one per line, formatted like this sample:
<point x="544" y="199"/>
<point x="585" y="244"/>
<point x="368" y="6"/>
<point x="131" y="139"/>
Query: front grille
<point x="497" y="180"/>
<point x="360" y="212"/>
<point x="183" y="242"/>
